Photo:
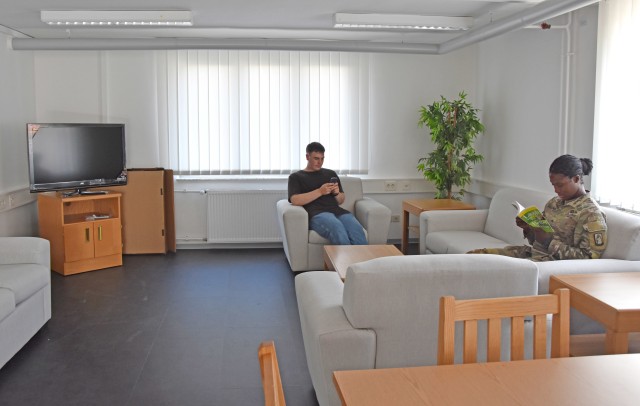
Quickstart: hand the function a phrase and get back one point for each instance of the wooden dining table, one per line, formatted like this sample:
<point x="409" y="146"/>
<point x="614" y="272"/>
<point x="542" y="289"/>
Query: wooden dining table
<point x="598" y="380"/>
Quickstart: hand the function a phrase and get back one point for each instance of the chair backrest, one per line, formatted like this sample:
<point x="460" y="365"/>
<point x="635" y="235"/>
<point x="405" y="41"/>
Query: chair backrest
<point x="352" y="192"/>
<point x="270" y="372"/>
<point x="494" y="310"/>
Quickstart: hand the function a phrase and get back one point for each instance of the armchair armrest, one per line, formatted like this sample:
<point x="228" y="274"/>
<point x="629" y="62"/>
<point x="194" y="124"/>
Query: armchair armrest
<point x="331" y="343"/>
<point x="25" y="250"/>
<point x="293" y="222"/>
<point x="450" y="220"/>
<point x="375" y="218"/>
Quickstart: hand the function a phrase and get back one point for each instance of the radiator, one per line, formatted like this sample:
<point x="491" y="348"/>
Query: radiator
<point x="243" y="216"/>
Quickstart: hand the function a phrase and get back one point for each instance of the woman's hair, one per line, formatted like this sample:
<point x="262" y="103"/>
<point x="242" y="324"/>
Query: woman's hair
<point x="570" y="166"/>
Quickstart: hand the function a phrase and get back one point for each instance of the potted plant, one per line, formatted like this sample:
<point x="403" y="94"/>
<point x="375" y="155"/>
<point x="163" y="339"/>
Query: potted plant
<point x="454" y="125"/>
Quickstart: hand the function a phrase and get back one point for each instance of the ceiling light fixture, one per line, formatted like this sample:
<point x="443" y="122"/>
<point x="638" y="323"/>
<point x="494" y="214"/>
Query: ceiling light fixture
<point x="116" y="18"/>
<point x="401" y="22"/>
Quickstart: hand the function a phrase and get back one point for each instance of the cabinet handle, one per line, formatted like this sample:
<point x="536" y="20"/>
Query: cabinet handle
<point x="99" y="233"/>
<point x="87" y="236"/>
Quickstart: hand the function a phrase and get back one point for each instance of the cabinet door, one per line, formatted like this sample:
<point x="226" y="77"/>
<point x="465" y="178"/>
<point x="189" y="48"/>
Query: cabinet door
<point x="107" y="235"/>
<point x="78" y="242"/>
<point x="143" y="212"/>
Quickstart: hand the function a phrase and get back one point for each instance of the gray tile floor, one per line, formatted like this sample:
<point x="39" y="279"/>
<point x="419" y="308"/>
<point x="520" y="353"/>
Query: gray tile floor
<point x="176" y="329"/>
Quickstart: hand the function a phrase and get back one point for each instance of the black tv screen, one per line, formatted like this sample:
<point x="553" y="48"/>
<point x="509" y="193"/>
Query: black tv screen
<point x="75" y="156"/>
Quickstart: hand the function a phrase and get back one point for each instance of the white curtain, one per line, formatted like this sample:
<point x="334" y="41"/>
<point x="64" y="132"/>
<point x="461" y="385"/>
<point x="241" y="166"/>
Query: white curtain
<point x="254" y="112"/>
<point x="617" y="134"/>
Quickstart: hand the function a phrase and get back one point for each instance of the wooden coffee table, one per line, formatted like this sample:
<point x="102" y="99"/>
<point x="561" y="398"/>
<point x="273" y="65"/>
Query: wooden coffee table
<point x="417" y="206"/>
<point x="609" y="298"/>
<point x="339" y="257"/>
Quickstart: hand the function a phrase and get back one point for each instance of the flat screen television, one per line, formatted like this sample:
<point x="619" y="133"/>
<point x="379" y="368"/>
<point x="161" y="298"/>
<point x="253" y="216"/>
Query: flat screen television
<point x="75" y="156"/>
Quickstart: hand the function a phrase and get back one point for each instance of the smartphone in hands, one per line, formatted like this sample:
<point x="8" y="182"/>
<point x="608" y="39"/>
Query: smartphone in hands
<point x="334" y="181"/>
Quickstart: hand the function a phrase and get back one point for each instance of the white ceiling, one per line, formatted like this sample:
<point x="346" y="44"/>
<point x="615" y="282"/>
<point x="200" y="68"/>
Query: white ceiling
<point x="261" y="19"/>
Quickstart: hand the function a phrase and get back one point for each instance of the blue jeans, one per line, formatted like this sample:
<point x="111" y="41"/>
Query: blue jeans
<point x="340" y="230"/>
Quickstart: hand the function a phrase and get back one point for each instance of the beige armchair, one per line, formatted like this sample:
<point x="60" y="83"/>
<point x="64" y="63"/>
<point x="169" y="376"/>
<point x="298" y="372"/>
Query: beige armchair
<point x="303" y="247"/>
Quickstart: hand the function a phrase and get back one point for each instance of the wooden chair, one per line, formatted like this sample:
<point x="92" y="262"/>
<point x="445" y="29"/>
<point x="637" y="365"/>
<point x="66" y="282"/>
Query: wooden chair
<point x="271" y="382"/>
<point x="494" y="310"/>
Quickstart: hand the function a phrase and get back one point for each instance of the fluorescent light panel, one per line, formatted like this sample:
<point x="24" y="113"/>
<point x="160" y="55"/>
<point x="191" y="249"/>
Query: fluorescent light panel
<point x="401" y="22"/>
<point x="116" y="18"/>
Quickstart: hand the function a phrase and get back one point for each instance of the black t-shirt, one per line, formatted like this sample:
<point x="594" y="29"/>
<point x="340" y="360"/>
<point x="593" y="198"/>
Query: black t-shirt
<point x="303" y="182"/>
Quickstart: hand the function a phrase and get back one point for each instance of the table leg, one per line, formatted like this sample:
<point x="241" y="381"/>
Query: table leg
<point x="405" y="232"/>
<point x="616" y="343"/>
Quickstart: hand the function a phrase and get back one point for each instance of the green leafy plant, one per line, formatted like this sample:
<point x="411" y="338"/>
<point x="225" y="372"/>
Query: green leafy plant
<point x="454" y="125"/>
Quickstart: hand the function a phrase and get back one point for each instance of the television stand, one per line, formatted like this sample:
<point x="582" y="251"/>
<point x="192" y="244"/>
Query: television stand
<point x="85" y="232"/>
<point x="84" y="192"/>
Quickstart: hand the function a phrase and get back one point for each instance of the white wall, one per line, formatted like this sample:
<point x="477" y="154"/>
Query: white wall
<point x="16" y="109"/>
<point x="520" y="90"/>
<point x="400" y="84"/>
<point x="92" y="86"/>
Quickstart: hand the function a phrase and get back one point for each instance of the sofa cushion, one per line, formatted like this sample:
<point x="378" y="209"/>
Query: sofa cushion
<point x="501" y="222"/>
<point x="23" y="279"/>
<point x="398" y="297"/>
<point x="7" y="303"/>
<point x="623" y="235"/>
<point x="459" y="242"/>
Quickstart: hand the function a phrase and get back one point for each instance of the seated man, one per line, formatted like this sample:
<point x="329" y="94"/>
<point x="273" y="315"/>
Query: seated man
<point x="319" y="191"/>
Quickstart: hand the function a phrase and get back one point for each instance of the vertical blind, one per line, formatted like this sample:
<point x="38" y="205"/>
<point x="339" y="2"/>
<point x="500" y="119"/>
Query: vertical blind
<point x="253" y="112"/>
<point x="617" y="137"/>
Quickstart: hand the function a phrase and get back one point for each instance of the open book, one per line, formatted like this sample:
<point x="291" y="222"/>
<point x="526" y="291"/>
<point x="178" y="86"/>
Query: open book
<point x="533" y="216"/>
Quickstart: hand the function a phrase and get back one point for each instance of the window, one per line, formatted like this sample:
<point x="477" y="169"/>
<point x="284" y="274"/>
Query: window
<point x="617" y="139"/>
<point x="254" y="112"/>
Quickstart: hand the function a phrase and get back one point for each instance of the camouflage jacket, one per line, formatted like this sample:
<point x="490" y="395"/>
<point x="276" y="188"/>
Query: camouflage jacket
<point x="580" y="230"/>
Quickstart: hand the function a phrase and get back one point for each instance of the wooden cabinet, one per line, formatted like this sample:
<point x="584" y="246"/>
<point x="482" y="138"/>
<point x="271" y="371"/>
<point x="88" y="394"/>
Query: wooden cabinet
<point x="147" y="211"/>
<point x="85" y="231"/>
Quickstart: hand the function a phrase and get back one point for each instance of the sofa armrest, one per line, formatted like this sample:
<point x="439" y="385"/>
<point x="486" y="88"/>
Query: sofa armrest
<point x="25" y="250"/>
<point x="293" y="222"/>
<point x="450" y="220"/>
<point x="330" y="341"/>
<point x="375" y="218"/>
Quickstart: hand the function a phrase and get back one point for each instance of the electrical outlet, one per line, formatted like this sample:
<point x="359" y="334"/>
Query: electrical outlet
<point x="405" y="186"/>
<point x="395" y="218"/>
<point x="4" y="204"/>
<point x="390" y="186"/>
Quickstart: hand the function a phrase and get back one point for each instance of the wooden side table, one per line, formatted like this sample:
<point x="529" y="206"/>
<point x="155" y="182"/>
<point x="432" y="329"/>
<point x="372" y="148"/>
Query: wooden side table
<point x="610" y="298"/>
<point x="417" y="206"/>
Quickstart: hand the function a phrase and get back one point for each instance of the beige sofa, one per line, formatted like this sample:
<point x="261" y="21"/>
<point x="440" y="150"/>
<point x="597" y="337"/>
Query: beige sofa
<point x="386" y="312"/>
<point x="459" y="231"/>
<point x="25" y="291"/>
<point x="452" y="232"/>
<point x="304" y="248"/>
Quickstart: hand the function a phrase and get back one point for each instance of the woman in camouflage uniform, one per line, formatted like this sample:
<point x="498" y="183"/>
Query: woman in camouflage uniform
<point x="580" y="228"/>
